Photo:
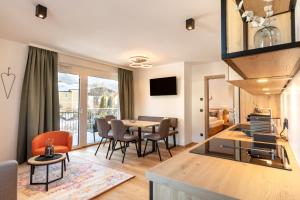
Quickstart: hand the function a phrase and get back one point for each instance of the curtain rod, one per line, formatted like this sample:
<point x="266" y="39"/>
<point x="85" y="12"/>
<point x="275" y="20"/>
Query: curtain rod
<point x="80" y="57"/>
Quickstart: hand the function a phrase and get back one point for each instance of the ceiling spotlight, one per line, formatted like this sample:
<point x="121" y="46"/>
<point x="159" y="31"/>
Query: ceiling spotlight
<point x="267" y="93"/>
<point x="190" y="24"/>
<point x="263" y="80"/>
<point x="41" y="11"/>
<point x="266" y="89"/>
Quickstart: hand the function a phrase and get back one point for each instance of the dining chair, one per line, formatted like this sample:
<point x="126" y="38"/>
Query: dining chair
<point x="109" y="117"/>
<point x="104" y="131"/>
<point x="162" y="134"/>
<point x="120" y="135"/>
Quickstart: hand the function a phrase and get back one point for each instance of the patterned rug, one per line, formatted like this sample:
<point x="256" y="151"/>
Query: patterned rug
<point x="84" y="179"/>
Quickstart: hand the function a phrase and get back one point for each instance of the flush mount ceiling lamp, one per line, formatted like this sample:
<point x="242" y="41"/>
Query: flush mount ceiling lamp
<point x="41" y="11"/>
<point x="139" y="62"/>
<point x="262" y="80"/>
<point x="139" y="59"/>
<point x="190" y="24"/>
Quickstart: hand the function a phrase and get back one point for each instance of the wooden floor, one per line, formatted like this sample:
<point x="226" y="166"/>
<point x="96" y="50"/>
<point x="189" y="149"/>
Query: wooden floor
<point x="136" y="188"/>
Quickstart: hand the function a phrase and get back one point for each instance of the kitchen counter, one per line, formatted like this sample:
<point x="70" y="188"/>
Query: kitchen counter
<point x="192" y="176"/>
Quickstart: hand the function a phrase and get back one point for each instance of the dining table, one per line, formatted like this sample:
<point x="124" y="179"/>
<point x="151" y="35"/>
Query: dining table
<point x="140" y="125"/>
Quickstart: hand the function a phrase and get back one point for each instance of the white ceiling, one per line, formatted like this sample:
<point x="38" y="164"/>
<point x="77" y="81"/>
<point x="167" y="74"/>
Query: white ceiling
<point x="114" y="30"/>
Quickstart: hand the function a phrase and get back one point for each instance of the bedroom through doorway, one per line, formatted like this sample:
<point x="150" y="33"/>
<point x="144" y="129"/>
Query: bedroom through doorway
<point x="219" y="112"/>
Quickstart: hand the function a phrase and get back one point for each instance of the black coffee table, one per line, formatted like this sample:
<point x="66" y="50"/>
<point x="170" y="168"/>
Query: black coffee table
<point x="42" y="161"/>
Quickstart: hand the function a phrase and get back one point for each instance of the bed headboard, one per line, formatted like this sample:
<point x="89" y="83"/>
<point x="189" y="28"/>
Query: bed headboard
<point x="223" y="113"/>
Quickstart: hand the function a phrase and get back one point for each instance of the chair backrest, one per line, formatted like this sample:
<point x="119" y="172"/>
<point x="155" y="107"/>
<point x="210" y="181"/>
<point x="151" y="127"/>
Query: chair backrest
<point x="118" y="129"/>
<point x="150" y="118"/>
<point x="164" y="128"/>
<point x="103" y="127"/>
<point x="173" y="123"/>
<point x="109" y="117"/>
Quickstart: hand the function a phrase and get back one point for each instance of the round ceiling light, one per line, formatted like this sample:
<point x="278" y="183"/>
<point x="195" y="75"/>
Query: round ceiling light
<point x="138" y="59"/>
<point x="146" y="66"/>
<point x="135" y="65"/>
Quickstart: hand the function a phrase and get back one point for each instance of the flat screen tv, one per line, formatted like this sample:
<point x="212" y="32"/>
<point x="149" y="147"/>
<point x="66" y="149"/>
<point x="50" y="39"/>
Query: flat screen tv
<point x="163" y="86"/>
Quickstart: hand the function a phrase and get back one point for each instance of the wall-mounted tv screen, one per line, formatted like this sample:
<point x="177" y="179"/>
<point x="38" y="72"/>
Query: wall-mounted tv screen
<point x="163" y="86"/>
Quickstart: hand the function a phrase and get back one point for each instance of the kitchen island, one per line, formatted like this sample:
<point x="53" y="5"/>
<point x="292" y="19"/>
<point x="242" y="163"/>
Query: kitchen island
<point x="193" y="176"/>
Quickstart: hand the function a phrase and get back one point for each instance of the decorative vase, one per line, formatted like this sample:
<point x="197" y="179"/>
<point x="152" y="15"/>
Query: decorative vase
<point x="49" y="148"/>
<point x="267" y="36"/>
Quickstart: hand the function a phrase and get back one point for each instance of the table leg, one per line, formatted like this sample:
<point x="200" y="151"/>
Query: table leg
<point x="62" y="169"/>
<point x="153" y="142"/>
<point x="31" y="173"/>
<point x="65" y="167"/>
<point x="47" y="177"/>
<point x="140" y="141"/>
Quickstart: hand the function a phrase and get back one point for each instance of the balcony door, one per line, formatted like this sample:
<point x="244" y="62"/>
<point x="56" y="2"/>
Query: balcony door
<point x="68" y="87"/>
<point x="85" y="95"/>
<point x="102" y="100"/>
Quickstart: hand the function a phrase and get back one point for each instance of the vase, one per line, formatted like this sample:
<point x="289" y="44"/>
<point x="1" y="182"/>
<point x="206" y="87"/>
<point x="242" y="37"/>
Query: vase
<point x="267" y="36"/>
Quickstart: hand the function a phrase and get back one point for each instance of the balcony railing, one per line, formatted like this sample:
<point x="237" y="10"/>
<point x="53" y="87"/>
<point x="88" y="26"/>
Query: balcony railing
<point x="69" y="121"/>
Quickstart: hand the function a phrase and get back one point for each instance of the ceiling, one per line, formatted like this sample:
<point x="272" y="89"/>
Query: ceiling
<point x="114" y="30"/>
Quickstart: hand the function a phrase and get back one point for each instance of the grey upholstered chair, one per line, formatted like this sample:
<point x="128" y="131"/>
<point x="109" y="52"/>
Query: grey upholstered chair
<point x="104" y="132"/>
<point x="120" y="135"/>
<point x="8" y="177"/>
<point x="109" y="117"/>
<point x="162" y="134"/>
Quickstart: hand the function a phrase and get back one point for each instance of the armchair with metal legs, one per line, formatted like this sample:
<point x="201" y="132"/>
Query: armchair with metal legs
<point x="163" y="133"/>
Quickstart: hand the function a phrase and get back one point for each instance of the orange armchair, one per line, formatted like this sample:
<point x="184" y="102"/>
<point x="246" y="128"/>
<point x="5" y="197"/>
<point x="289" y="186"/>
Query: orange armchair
<point x="62" y="142"/>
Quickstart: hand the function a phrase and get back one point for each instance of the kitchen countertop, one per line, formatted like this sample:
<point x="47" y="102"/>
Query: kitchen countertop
<point x="225" y="179"/>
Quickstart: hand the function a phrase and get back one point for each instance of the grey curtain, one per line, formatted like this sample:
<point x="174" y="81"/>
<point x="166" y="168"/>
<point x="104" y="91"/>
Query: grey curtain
<point x="39" y="108"/>
<point x="125" y="78"/>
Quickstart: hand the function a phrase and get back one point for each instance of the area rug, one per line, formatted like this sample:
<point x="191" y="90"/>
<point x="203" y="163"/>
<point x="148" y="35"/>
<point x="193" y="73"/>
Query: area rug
<point x="84" y="179"/>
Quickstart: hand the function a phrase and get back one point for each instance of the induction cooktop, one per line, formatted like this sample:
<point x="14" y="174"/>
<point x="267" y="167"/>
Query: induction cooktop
<point x="264" y="154"/>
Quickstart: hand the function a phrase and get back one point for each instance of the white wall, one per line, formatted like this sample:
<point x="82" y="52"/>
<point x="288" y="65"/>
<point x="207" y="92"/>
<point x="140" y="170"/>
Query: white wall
<point x="14" y="55"/>
<point x="290" y="109"/>
<point x="165" y="106"/>
<point x="221" y="93"/>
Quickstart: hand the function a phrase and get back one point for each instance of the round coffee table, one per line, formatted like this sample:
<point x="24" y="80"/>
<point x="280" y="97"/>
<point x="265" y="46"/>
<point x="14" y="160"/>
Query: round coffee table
<point x="42" y="161"/>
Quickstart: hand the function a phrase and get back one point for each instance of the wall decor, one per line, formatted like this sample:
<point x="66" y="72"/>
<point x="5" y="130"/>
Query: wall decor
<point x="8" y="81"/>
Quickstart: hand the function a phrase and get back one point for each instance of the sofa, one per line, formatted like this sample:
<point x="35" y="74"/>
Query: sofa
<point x="8" y="177"/>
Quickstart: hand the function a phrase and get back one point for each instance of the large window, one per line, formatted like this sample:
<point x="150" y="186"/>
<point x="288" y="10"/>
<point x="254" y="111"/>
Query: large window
<point x="68" y="86"/>
<point x="85" y="95"/>
<point x="103" y="99"/>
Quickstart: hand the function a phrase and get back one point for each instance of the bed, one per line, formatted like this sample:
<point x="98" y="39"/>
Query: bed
<point x="217" y="118"/>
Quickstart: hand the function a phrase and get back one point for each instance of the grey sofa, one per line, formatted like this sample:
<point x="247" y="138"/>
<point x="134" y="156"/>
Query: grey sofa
<point x="8" y="177"/>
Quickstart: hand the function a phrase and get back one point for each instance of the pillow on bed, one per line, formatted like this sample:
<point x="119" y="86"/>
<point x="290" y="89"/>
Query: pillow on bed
<point x="212" y="119"/>
<point x="214" y="113"/>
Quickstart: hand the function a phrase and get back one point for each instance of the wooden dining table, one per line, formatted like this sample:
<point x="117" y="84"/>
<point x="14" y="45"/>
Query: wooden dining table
<point x="139" y="125"/>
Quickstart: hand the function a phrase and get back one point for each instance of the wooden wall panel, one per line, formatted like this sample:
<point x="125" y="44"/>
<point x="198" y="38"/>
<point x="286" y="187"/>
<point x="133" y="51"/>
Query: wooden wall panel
<point x="249" y="101"/>
<point x="234" y="28"/>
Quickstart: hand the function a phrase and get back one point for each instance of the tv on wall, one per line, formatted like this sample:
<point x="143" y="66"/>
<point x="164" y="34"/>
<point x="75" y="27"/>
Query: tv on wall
<point x="163" y="86"/>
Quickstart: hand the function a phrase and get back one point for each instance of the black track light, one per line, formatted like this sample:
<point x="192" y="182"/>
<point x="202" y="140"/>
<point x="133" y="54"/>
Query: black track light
<point x="41" y="11"/>
<point x="190" y="24"/>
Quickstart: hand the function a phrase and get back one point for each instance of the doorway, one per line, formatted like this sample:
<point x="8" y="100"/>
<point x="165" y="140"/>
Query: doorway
<point x="220" y="105"/>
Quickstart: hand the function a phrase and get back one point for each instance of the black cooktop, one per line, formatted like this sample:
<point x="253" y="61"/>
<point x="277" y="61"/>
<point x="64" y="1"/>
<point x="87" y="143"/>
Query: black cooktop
<point x="265" y="154"/>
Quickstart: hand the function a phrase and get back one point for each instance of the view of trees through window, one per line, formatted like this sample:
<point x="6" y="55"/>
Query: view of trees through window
<point x="103" y="99"/>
